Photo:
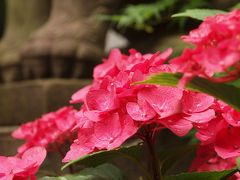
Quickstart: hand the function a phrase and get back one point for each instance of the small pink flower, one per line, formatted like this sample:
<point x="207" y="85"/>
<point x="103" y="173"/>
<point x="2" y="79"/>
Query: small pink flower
<point x="22" y="167"/>
<point x="52" y="129"/>
<point x="207" y="160"/>
<point x="216" y="49"/>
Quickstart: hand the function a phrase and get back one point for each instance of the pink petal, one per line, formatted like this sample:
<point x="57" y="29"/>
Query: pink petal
<point x="76" y="151"/>
<point x="140" y="113"/>
<point x="107" y="130"/>
<point x="227" y="143"/>
<point x="80" y="95"/>
<point x="177" y="124"/>
<point x="109" y="66"/>
<point x="164" y="100"/>
<point x="101" y="100"/>
<point x="34" y="156"/>
<point x="201" y="117"/>
<point x="196" y="102"/>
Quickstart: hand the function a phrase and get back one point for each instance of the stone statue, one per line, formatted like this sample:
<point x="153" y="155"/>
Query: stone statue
<point x="22" y="18"/>
<point x="58" y="38"/>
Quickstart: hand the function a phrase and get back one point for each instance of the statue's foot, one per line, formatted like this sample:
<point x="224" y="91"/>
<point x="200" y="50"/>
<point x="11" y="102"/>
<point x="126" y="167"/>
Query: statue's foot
<point x="10" y="66"/>
<point x="22" y="18"/>
<point x="62" y="48"/>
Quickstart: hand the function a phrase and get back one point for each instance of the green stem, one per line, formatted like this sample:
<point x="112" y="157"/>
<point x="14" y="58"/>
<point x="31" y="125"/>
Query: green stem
<point x="153" y="156"/>
<point x="140" y="165"/>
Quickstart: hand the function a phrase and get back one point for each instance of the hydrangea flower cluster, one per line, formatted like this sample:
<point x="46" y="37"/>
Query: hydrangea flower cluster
<point x="220" y="140"/>
<point x="114" y="108"/>
<point x="49" y="131"/>
<point x="23" y="167"/>
<point x="216" y="49"/>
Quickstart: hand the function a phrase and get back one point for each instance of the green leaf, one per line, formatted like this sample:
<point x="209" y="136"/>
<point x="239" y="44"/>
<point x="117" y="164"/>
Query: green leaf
<point x="140" y="16"/>
<point x="100" y="157"/>
<point x="238" y="163"/>
<point x="202" y="175"/>
<point x="199" y="14"/>
<point x="235" y="83"/>
<point x="102" y="172"/>
<point x="236" y="6"/>
<point x="228" y="93"/>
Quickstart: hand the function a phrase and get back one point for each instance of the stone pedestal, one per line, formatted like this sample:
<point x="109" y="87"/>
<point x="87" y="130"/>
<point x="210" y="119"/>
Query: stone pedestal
<point x="24" y="101"/>
<point x="8" y="145"/>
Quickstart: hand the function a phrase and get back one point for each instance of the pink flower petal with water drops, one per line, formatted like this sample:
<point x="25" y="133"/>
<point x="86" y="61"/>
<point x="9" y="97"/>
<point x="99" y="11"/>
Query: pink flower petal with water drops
<point x="140" y="113"/>
<point x="107" y="130"/>
<point x="101" y="100"/>
<point x="196" y="102"/>
<point x="177" y="124"/>
<point x="77" y="150"/>
<point x="166" y="101"/>
<point x="82" y="145"/>
<point x="231" y="116"/>
<point x="201" y="117"/>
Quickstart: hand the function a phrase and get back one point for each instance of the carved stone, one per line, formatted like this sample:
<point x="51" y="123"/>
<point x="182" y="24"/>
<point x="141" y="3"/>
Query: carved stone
<point x="22" y="18"/>
<point x="70" y="43"/>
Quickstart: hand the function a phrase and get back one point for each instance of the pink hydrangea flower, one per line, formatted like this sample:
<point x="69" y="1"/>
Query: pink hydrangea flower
<point x="216" y="49"/>
<point x="50" y="131"/>
<point x="23" y="167"/>
<point x="114" y="108"/>
<point x="227" y="143"/>
<point x="222" y="131"/>
<point x="207" y="160"/>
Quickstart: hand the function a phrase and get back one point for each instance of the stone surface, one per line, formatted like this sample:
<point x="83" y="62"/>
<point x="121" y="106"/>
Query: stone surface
<point x="70" y="43"/>
<point x="24" y="101"/>
<point x="8" y="145"/>
<point x="22" y="18"/>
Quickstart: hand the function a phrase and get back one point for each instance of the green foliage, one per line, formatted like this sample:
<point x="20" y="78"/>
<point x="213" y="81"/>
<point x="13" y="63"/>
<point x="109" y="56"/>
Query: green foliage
<point x="237" y="6"/>
<point x="145" y="16"/>
<point x="202" y="175"/>
<point x="190" y="5"/>
<point x="238" y="163"/>
<point x="199" y="14"/>
<point x="102" y="172"/>
<point x="96" y="158"/>
<point x="139" y="16"/>
<point x="228" y="93"/>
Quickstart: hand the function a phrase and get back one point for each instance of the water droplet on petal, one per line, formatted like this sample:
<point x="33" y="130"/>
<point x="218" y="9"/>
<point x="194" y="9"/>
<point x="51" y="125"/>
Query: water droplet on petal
<point x="212" y="161"/>
<point x="236" y="146"/>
